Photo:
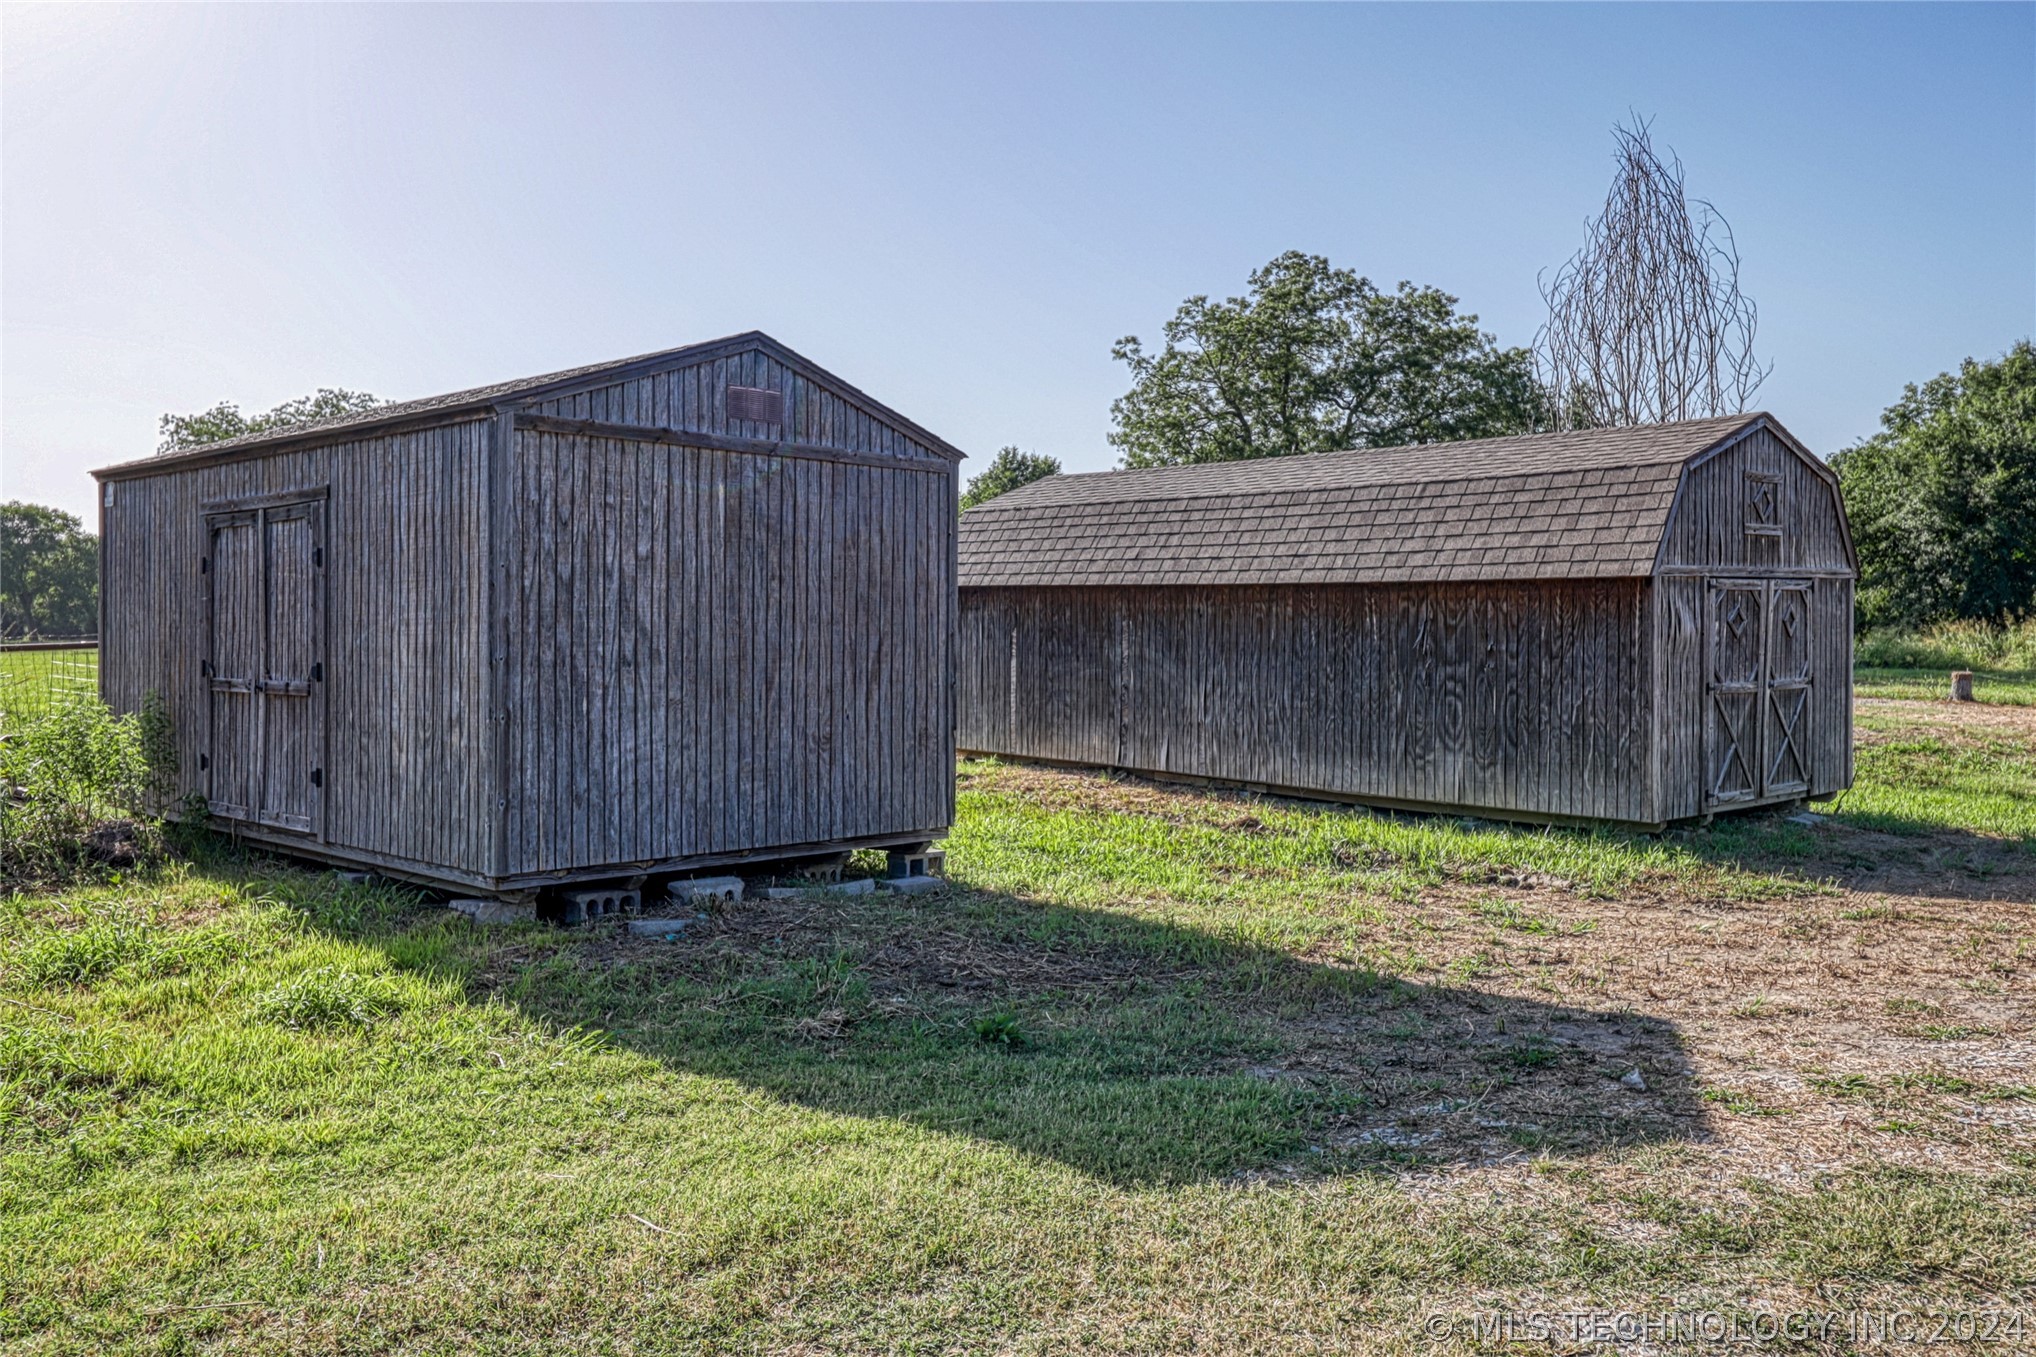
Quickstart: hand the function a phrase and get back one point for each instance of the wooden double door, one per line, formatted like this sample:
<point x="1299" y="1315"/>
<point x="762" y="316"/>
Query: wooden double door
<point x="1757" y="689"/>
<point x="264" y="667"/>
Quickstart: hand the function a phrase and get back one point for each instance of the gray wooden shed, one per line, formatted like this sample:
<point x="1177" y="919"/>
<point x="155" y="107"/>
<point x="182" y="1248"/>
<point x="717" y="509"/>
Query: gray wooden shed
<point x="1641" y="624"/>
<point x="669" y="612"/>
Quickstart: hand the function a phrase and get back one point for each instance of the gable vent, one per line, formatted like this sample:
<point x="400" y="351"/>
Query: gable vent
<point x="756" y="403"/>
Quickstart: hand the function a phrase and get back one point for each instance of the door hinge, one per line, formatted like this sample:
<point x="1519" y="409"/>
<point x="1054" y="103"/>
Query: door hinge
<point x="318" y="672"/>
<point x="204" y="762"/>
<point x="318" y="557"/>
<point x="204" y="669"/>
<point x="318" y="777"/>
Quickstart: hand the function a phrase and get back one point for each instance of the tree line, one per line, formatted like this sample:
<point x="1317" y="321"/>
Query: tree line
<point x="1942" y="500"/>
<point x="49" y="563"/>
<point x="1645" y="323"/>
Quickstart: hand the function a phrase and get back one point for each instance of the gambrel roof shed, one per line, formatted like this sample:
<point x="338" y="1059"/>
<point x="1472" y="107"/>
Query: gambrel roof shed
<point x="1639" y="624"/>
<point x="652" y="615"/>
<point x="1590" y="504"/>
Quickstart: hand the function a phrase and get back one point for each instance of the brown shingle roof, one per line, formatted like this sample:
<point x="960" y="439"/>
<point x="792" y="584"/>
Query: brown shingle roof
<point x="1591" y="503"/>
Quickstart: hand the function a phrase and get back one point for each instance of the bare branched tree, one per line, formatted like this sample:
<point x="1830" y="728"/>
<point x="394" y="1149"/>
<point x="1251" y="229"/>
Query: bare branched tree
<point x="1647" y="323"/>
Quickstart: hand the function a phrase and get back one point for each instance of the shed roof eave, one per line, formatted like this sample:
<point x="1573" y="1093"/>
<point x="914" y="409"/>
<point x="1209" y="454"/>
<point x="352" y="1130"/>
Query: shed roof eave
<point x="208" y="455"/>
<point x="1762" y="420"/>
<point x="1175" y="579"/>
<point x="486" y="401"/>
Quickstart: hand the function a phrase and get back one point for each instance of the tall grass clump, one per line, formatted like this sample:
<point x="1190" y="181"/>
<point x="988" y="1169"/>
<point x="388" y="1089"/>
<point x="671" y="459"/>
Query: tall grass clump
<point x="333" y="996"/>
<point x="74" y="787"/>
<point x="1963" y="643"/>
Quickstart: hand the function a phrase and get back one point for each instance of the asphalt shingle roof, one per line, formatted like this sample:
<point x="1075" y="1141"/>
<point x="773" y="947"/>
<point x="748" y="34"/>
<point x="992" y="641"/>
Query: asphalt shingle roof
<point x="479" y="398"/>
<point x="1584" y="504"/>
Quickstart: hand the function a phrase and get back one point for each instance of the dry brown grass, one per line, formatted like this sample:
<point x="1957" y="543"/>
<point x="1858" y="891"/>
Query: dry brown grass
<point x="1888" y="1020"/>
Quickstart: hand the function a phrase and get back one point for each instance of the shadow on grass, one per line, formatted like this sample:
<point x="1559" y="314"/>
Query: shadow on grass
<point x="1871" y="851"/>
<point x="1136" y="1051"/>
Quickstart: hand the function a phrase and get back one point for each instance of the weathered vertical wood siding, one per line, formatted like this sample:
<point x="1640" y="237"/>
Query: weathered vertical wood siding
<point x="1527" y="625"/>
<point x="1679" y="676"/>
<point x="576" y="626"/>
<point x="1707" y="537"/>
<point x="406" y="762"/>
<point x="1531" y="698"/>
<point x="694" y="399"/>
<point x="717" y="651"/>
<point x="1707" y="527"/>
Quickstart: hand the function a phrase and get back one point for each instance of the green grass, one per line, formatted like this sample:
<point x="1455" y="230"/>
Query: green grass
<point x="1944" y="646"/>
<point x="1922" y="779"/>
<point x="33" y="680"/>
<point x="356" y="1125"/>
<point x="2005" y="688"/>
<point x="1065" y="1106"/>
<point x="1249" y="872"/>
<point x="1741" y="1104"/>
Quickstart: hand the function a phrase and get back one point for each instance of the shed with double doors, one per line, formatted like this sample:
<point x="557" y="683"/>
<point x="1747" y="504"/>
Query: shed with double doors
<point x="1641" y="624"/>
<point x="676" y="611"/>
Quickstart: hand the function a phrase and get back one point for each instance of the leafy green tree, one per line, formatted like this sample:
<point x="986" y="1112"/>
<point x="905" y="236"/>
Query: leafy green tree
<point x="1312" y="359"/>
<point x="49" y="573"/>
<point x="1008" y="470"/>
<point x="1942" y="500"/>
<point x="225" y="420"/>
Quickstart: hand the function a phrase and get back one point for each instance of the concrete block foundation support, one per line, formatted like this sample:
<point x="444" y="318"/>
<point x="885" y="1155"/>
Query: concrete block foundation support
<point x="703" y="889"/>
<point x="926" y="862"/>
<point x="485" y="911"/>
<point x="579" y="907"/>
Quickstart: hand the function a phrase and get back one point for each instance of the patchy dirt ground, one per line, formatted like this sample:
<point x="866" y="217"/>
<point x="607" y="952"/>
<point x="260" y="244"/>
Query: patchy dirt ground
<point x="1954" y="716"/>
<point x="1890" y="1019"/>
<point x="1885" y="1017"/>
<point x="1782" y="1038"/>
<point x="1772" y="1039"/>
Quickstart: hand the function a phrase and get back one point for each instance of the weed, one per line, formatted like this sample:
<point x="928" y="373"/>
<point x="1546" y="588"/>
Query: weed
<point x="1952" y="1032"/>
<point x="1506" y="914"/>
<point x="1945" y="646"/>
<point x="75" y="778"/>
<point x="1930" y="1081"/>
<point x="1741" y="1104"/>
<point x="81" y="955"/>
<point x="1530" y="1054"/>
<point x="1843" y="1085"/>
<point x="1000" y="1029"/>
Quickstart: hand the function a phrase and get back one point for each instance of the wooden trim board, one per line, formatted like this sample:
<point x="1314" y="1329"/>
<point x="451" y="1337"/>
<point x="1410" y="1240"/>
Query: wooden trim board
<point x="683" y="438"/>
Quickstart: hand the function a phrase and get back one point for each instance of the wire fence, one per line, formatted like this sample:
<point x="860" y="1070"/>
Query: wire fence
<point x="38" y="677"/>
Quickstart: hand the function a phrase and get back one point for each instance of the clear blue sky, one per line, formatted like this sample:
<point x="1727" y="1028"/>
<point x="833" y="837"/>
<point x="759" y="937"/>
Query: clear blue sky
<point x="957" y="208"/>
